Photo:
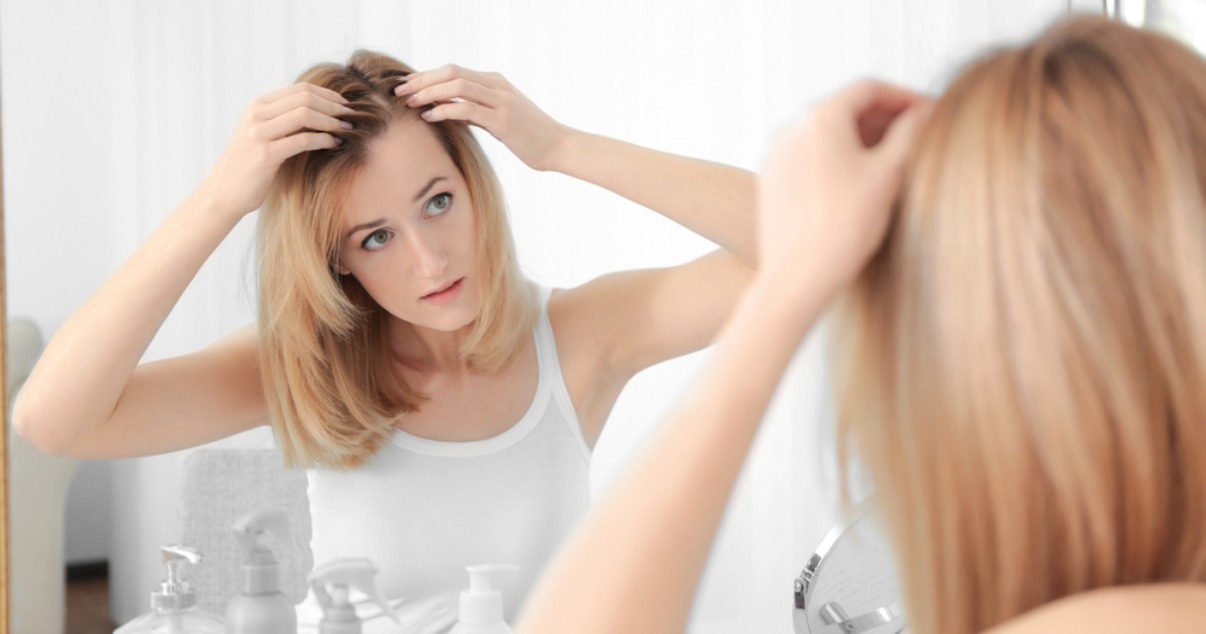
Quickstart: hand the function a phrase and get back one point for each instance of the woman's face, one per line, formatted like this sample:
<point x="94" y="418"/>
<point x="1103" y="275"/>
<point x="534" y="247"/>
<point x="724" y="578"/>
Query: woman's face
<point x="409" y="230"/>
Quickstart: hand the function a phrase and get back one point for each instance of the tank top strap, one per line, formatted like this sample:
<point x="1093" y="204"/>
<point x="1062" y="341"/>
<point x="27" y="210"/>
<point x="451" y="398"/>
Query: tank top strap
<point x="550" y="370"/>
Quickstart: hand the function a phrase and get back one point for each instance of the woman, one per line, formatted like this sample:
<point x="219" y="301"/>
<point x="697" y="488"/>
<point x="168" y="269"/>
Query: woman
<point x="444" y="407"/>
<point x="1020" y="354"/>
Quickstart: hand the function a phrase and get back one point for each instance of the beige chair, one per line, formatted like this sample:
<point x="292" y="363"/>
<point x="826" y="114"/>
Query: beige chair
<point x="38" y="490"/>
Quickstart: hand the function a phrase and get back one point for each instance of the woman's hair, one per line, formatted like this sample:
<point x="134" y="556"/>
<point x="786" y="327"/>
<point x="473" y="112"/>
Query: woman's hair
<point x="1022" y="368"/>
<point x="330" y="385"/>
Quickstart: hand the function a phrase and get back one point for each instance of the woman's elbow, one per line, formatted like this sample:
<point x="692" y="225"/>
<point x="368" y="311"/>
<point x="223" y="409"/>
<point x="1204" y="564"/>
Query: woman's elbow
<point x="33" y="424"/>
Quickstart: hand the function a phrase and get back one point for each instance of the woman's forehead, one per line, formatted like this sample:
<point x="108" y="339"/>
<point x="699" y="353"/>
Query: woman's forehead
<point x="400" y="166"/>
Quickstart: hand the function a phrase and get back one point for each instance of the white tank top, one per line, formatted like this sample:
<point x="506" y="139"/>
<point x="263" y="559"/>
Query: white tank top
<point x="423" y="509"/>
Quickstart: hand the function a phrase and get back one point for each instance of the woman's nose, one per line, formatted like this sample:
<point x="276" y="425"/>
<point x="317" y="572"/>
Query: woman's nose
<point x="428" y="257"/>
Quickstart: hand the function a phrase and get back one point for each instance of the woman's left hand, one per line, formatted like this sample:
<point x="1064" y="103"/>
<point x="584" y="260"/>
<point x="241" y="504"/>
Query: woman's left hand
<point x="489" y="101"/>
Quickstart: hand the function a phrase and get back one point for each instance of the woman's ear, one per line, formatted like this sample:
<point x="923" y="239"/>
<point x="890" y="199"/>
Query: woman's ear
<point x="338" y="268"/>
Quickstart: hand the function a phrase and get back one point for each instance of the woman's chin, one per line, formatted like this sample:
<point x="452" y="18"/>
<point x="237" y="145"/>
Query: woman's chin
<point x="444" y="319"/>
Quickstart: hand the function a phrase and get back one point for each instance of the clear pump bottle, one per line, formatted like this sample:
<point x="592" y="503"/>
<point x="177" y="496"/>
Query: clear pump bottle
<point x="174" y="607"/>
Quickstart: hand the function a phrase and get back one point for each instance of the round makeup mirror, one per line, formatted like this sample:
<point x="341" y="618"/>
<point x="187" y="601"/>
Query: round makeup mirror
<point x="849" y="585"/>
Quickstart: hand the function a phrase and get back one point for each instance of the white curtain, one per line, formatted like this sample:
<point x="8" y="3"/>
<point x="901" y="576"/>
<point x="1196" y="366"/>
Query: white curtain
<point x="114" y="112"/>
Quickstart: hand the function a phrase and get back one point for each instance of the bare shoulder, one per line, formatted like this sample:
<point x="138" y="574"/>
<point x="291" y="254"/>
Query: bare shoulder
<point x="630" y="320"/>
<point x="582" y="354"/>
<point x="243" y="344"/>
<point x="583" y="318"/>
<point x="1164" y="607"/>
<point x="570" y="313"/>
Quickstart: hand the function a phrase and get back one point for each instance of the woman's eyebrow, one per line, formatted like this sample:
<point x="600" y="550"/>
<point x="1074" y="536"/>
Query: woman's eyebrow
<point x="380" y="221"/>
<point x="431" y="183"/>
<point x="361" y="227"/>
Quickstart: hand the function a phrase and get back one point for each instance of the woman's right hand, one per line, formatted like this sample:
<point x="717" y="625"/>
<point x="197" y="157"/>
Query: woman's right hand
<point x="829" y="183"/>
<point x="276" y="126"/>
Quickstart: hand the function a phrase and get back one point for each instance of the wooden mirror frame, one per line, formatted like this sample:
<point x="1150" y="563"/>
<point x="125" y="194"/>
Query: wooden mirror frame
<point x="5" y="592"/>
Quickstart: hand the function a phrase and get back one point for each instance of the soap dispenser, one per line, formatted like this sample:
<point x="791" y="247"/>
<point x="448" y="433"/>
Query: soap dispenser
<point x="174" y="607"/>
<point x="332" y="583"/>
<point x="481" y="605"/>
<point x="261" y="608"/>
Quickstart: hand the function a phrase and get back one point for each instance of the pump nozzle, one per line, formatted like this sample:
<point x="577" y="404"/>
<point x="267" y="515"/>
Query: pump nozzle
<point x="481" y="576"/>
<point x="253" y="531"/>
<point x="174" y="605"/>
<point x="331" y="582"/>
<point x="175" y="594"/>
<point x="482" y="603"/>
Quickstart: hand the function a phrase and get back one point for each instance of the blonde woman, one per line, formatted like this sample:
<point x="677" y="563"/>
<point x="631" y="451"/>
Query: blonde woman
<point x="1020" y="356"/>
<point x="445" y="408"/>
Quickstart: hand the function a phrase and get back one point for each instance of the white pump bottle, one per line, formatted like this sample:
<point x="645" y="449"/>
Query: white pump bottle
<point x="261" y="608"/>
<point x="481" y="610"/>
<point x="332" y="582"/>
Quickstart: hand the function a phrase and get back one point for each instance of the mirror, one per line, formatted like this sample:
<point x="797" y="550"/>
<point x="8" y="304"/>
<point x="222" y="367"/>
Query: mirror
<point x="131" y="103"/>
<point x="116" y="111"/>
<point x="850" y="581"/>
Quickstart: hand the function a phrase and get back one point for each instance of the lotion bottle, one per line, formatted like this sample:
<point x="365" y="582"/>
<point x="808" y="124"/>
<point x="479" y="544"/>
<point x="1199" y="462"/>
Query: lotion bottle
<point x="481" y="609"/>
<point x="261" y="608"/>
<point x="332" y="583"/>
<point x="174" y="607"/>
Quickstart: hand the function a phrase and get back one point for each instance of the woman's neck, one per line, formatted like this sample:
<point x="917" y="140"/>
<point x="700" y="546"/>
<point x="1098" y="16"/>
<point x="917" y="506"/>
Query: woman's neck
<point x="426" y="350"/>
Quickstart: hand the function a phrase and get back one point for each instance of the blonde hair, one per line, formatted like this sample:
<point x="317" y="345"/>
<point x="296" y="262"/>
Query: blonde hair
<point x="328" y="380"/>
<point x="1021" y="368"/>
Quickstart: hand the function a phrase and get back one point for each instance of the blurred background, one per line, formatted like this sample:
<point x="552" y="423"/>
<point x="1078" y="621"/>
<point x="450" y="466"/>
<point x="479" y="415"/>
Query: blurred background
<point x="114" y="112"/>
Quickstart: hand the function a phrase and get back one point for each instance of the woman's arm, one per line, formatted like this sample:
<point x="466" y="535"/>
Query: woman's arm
<point x="634" y="565"/>
<point x="85" y="397"/>
<point x="711" y="199"/>
<point x="714" y="200"/>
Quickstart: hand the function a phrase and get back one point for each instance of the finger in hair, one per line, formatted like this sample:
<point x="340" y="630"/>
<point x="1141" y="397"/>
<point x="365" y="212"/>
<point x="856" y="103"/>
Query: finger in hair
<point x="295" y="144"/>
<point x="302" y="99"/>
<point x="458" y="88"/>
<point x="299" y="119"/>
<point x="460" y="111"/>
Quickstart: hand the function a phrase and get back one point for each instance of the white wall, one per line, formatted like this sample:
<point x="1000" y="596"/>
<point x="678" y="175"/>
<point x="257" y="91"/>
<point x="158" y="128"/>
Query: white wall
<point x="87" y="522"/>
<point x="113" y="113"/>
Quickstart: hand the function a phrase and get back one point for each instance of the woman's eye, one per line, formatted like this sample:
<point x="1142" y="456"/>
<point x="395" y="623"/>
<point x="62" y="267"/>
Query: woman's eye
<point x="439" y="204"/>
<point x="376" y="239"/>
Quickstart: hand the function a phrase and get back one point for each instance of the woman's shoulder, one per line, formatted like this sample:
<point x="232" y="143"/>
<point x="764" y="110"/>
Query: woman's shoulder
<point x="240" y="343"/>
<point x="562" y="307"/>
<point x="1163" y="607"/>
<point x="577" y="317"/>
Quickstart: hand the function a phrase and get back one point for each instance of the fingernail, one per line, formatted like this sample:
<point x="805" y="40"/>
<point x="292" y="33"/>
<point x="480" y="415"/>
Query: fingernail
<point x="427" y="114"/>
<point x="338" y="140"/>
<point x="343" y="99"/>
<point x="345" y="125"/>
<point x="347" y="110"/>
<point x="413" y="100"/>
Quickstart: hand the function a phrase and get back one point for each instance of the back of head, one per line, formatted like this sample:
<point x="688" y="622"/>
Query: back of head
<point x="1021" y="368"/>
<point x="327" y="374"/>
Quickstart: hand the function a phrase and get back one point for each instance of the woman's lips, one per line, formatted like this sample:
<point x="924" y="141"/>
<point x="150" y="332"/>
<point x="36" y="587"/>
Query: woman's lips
<point x="448" y="294"/>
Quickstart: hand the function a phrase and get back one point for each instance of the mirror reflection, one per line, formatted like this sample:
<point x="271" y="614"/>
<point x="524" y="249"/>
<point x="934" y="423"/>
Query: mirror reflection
<point x="436" y="318"/>
<point x="170" y="134"/>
